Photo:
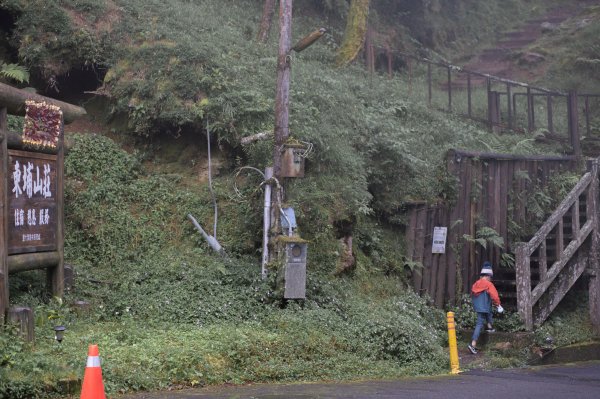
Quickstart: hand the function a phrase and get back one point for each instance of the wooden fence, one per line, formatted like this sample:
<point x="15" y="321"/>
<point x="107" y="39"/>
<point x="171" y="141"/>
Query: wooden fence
<point x="491" y="191"/>
<point x="511" y="105"/>
<point x="562" y="249"/>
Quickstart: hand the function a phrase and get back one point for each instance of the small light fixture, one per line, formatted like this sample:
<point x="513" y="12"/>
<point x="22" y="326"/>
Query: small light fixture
<point x="59" y="333"/>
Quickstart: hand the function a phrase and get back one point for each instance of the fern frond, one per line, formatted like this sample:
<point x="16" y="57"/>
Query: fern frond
<point x="15" y="72"/>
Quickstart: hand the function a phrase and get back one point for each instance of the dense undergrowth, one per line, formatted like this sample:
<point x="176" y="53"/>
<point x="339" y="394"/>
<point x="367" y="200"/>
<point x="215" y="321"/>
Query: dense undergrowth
<point x="166" y="311"/>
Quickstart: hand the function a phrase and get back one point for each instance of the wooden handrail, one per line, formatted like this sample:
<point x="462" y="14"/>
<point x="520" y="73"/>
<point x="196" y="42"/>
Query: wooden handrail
<point x="560" y="211"/>
<point x="526" y="297"/>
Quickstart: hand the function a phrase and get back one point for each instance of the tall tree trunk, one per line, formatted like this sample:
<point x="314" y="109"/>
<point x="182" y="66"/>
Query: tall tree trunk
<point x="282" y="98"/>
<point x="266" y="21"/>
<point x="356" y="30"/>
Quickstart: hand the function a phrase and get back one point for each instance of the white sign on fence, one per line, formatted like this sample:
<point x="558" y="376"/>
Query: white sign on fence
<point x="439" y="240"/>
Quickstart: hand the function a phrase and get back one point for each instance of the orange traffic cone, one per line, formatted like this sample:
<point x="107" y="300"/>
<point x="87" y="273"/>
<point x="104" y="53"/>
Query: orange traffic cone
<point x="93" y="387"/>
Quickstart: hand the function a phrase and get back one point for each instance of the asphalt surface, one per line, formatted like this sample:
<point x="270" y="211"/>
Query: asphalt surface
<point x="577" y="381"/>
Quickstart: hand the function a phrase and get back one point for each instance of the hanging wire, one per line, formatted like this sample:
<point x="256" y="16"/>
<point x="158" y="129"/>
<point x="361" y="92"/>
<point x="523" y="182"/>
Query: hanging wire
<point x="235" y="187"/>
<point x="278" y="187"/>
<point x="309" y="149"/>
<point x="212" y="193"/>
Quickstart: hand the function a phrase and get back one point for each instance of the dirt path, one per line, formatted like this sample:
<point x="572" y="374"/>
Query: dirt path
<point x="508" y="57"/>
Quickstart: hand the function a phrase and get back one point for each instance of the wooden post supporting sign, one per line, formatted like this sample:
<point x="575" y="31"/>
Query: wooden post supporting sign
<point x="31" y="189"/>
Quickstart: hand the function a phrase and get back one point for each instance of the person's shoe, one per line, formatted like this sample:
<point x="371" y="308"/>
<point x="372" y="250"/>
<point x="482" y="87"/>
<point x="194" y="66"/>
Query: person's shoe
<point x="490" y="330"/>
<point x="472" y="349"/>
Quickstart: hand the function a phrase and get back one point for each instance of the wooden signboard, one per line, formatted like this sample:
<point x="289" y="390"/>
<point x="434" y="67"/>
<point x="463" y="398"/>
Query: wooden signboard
<point x="32" y="196"/>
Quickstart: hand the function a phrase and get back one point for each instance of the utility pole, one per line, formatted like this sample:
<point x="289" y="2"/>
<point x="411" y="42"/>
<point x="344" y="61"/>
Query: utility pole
<point x="282" y="97"/>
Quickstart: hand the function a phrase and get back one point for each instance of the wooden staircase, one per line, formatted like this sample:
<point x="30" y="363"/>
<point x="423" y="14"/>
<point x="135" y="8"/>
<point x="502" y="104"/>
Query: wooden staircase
<point x="559" y="253"/>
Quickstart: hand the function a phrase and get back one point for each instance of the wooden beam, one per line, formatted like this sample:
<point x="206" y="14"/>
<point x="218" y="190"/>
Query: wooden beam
<point x="14" y="100"/>
<point x="563" y="258"/>
<point x="523" y="268"/>
<point x="4" y="292"/>
<point x="559" y="289"/>
<point x="558" y="214"/>
<point x="56" y="274"/>
<point x="594" y="266"/>
<point x="33" y="261"/>
<point x="14" y="141"/>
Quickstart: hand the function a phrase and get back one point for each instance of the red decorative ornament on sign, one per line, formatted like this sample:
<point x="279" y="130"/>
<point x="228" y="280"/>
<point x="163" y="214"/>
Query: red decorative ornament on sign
<point x="43" y="124"/>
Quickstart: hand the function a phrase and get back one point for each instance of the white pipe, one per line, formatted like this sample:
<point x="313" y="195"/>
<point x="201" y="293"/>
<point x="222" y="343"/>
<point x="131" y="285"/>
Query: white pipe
<point x="266" y="223"/>
<point x="212" y="241"/>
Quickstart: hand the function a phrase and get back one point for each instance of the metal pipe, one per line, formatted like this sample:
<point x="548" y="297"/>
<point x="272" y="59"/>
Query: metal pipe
<point x="214" y="244"/>
<point x="266" y="223"/>
<point x="210" y="186"/>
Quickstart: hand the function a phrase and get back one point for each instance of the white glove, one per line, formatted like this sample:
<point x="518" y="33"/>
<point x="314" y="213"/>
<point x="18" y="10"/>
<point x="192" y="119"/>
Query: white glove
<point x="500" y="309"/>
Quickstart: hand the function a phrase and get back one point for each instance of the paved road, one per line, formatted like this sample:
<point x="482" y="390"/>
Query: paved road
<point x="581" y="381"/>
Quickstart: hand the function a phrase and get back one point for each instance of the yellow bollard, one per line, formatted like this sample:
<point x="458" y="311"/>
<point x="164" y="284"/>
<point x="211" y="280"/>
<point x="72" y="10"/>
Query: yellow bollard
<point x="454" y="366"/>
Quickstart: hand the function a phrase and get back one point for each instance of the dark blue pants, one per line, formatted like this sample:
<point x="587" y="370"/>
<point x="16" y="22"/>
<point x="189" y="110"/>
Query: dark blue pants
<point x="482" y="318"/>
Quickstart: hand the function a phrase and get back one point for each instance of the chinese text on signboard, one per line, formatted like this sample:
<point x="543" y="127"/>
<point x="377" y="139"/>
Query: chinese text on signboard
<point x="32" y="202"/>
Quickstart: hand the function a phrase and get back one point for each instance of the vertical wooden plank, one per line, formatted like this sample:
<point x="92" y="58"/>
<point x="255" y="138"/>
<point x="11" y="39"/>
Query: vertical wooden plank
<point x="560" y="239"/>
<point x="549" y="112"/>
<point x="497" y="201"/>
<point x="411" y="234"/>
<point x="573" y="115"/>
<point x="524" y="305"/>
<point x="503" y="182"/>
<point x="427" y="255"/>
<point x="490" y="209"/>
<point x="530" y="115"/>
<point x="56" y="274"/>
<point x="543" y="261"/>
<point x="435" y="258"/>
<point x="587" y="116"/>
<point x="469" y="95"/>
<point x="418" y="251"/>
<point x="521" y="214"/>
<point x="594" y="300"/>
<point x="575" y="219"/>
<point x="484" y="178"/>
<point x="467" y="204"/>
<point x="509" y="116"/>
<point x="4" y="300"/>
<point x="453" y="234"/>
<point x="489" y="102"/>
<point x="441" y="290"/>
<point x="594" y="283"/>
<point x="509" y="190"/>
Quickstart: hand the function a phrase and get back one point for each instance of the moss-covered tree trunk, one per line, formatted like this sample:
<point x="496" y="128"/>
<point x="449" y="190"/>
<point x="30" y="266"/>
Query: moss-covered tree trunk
<point x="266" y="21"/>
<point x="356" y="30"/>
<point x="282" y="95"/>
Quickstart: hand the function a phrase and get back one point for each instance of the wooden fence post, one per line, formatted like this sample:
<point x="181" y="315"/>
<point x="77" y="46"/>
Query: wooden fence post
<point x="573" y="116"/>
<point x="524" y="305"/>
<point x="3" y="216"/>
<point x="594" y="281"/>
<point x="494" y="111"/>
<point x="56" y="274"/>
<point x="530" y="111"/>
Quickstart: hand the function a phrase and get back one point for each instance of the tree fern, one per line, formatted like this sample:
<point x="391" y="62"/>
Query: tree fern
<point x="14" y="72"/>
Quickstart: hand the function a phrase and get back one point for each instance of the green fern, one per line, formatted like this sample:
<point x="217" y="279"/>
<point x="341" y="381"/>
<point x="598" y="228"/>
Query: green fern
<point x="15" y="72"/>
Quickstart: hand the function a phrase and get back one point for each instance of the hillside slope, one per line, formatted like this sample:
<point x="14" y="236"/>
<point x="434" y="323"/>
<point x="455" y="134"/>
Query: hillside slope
<point x="167" y="312"/>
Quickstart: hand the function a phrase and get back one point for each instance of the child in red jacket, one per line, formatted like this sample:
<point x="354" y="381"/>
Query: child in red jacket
<point x="483" y="295"/>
